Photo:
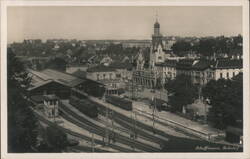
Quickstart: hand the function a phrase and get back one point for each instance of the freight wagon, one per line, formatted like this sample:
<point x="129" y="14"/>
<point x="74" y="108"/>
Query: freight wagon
<point x="84" y="106"/>
<point x="119" y="102"/>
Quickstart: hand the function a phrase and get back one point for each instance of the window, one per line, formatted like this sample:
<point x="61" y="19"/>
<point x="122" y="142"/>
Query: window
<point x="104" y="75"/>
<point x="233" y="74"/>
<point x="110" y="76"/>
<point x="221" y="75"/>
<point x="98" y="76"/>
<point x="227" y="75"/>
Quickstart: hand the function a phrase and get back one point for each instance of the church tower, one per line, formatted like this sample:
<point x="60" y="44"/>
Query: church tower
<point x="156" y="53"/>
<point x="156" y="37"/>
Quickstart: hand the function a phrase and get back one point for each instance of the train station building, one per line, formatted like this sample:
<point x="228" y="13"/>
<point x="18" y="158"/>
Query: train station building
<point x="51" y="81"/>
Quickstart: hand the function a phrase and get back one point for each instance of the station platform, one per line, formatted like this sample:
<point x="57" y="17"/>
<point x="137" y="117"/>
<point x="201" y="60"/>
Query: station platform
<point x="168" y="117"/>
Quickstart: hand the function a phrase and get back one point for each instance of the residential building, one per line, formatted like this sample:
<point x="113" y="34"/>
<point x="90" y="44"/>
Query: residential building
<point x="202" y="72"/>
<point x="167" y="69"/>
<point x="184" y="66"/>
<point x="102" y="72"/>
<point x="227" y="68"/>
<point x="113" y="76"/>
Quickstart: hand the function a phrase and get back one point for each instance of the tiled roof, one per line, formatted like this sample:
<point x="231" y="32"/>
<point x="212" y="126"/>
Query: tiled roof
<point x="120" y="65"/>
<point x="106" y="81"/>
<point x="185" y="64"/>
<point x="169" y="63"/>
<point x="80" y="73"/>
<point x="61" y="77"/>
<point x="101" y="68"/>
<point x="202" y="64"/>
<point x="228" y="63"/>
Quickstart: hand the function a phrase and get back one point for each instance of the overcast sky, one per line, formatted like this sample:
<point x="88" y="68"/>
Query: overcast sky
<point x="85" y="23"/>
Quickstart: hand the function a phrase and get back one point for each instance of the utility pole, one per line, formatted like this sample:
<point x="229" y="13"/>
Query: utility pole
<point x="106" y="129"/>
<point x="154" y="115"/>
<point x="112" y="123"/>
<point x="206" y="102"/>
<point x="93" y="142"/>
<point x="135" y="124"/>
<point x="106" y="138"/>
<point x="54" y="103"/>
<point x="132" y="132"/>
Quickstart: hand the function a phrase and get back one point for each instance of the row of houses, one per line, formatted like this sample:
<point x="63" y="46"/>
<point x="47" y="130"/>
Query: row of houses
<point x="201" y="71"/>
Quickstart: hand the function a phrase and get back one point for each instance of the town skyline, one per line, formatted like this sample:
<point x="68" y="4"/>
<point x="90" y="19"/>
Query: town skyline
<point x="120" y="23"/>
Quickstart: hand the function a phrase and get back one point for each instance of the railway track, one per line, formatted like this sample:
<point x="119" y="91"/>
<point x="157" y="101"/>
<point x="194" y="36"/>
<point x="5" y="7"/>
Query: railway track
<point x="141" y="132"/>
<point x="123" y="113"/>
<point x="86" y="149"/>
<point x="101" y="130"/>
<point x="78" y="135"/>
<point x="142" y="126"/>
<point x="95" y="131"/>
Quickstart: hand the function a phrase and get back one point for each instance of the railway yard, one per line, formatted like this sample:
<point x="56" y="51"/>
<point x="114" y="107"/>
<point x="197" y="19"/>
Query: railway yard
<point x="119" y="130"/>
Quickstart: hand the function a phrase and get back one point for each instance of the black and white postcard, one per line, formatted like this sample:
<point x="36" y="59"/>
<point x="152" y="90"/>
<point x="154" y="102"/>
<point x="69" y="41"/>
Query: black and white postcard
<point x="125" y="79"/>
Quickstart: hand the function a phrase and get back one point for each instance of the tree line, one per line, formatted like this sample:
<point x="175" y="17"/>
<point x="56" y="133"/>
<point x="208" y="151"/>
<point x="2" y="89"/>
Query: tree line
<point x="209" y="45"/>
<point x="23" y="126"/>
<point x="224" y="95"/>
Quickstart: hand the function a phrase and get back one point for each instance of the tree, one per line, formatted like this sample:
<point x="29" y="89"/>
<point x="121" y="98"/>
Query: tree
<point x="56" y="138"/>
<point x="22" y="124"/>
<point x="207" y="46"/>
<point x="226" y="97"/>
<point x="57" y="64"/>
<point x="181" y="92"/>
<point x="181" y="47"/>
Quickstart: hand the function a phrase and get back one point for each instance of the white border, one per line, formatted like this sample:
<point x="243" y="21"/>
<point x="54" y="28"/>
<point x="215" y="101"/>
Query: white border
<point x="245" y="13"/>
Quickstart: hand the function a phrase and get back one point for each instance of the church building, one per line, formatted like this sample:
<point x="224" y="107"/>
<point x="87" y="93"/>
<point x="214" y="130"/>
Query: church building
<point x="157" y="51"/>
<point x="147" y="77"/>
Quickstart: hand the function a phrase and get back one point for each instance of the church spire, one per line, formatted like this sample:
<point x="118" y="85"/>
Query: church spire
<point x="156" y="16"/>
<point x="156" y="25"/>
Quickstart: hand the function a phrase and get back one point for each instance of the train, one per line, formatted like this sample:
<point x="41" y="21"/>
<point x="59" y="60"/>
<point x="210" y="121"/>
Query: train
<point x="119" y="102"/>
<point x="83" y="105"/>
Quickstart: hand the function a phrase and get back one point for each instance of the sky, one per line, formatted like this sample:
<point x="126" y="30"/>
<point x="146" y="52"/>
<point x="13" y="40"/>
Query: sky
<point x="96" y="23"/>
